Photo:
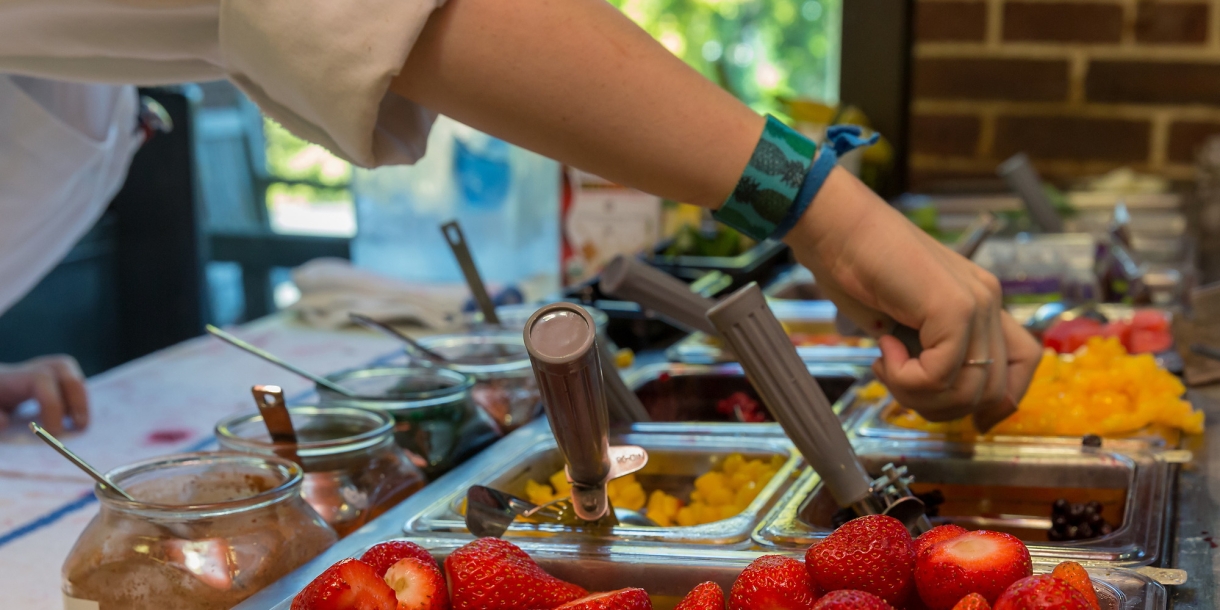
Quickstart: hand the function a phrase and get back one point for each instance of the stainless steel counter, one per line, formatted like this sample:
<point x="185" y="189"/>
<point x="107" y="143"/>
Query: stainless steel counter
<point x="1197" y="535"/>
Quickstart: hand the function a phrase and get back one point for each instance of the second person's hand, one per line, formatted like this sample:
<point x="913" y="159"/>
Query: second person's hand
<point x="976" y="358"/>
<point x="55" y="382"/>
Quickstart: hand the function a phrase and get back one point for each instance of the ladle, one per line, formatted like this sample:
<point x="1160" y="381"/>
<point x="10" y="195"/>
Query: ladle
<point x="273" y="359"/>
<point x="76" y="460"/>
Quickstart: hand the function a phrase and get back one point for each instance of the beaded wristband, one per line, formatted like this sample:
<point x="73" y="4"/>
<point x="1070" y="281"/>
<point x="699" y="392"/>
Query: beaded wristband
<point x="782" y="178"/>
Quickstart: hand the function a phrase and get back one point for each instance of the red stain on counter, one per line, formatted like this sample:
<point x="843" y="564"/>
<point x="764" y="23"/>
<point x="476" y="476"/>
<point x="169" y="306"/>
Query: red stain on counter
<point x="163" y="437"/>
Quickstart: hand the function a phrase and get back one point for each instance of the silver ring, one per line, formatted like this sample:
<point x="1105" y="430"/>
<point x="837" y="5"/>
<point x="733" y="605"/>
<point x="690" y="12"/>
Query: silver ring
<point x="980" y="362"/>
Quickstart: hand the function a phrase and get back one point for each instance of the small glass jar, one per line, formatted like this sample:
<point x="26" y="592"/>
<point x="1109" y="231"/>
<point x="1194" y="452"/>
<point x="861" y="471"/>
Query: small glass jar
<point x="432" y="409"/>
<point x="514" y="317"/>
<point x="354" y="471"/>
<point x="207" y="531"/>
<point x="504" y="386"/>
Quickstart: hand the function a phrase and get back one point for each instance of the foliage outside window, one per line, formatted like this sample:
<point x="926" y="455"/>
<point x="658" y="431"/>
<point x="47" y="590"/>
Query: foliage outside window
<point x="310" y="187"/>
<point x="759" y="50"/>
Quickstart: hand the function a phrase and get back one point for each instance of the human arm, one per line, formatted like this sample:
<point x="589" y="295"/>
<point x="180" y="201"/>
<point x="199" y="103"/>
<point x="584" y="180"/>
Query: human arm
<point x="577" y="81"/>
<point x="55" y="382"/>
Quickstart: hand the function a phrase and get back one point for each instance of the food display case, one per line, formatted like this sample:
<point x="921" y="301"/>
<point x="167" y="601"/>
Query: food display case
<point x="810" y="324"/>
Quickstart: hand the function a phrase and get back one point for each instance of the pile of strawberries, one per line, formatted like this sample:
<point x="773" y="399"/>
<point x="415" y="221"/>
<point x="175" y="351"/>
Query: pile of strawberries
<point x="871" y="563"/>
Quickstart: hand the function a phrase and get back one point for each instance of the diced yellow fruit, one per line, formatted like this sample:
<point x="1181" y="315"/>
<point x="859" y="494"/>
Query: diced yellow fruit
<point x="732" y="464"/>
<point x="873" y="390"/>
<point x="624" y="358"/>
<point x="687" y="517"/>
<point x="709" y="481"/>
<point x="720" y="497"/>
<point x="559" y="481"/>
<point x="538" y="493"/>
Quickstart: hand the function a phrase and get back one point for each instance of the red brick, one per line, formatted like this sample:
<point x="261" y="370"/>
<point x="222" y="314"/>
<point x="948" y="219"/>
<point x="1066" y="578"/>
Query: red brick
<point x="952" y="21"/>
<point x="1152" y="82"/>
<point x="1073" y="138"/>
<point x="945" y="135"/>
<point x="1062" y="22"/>
<point x="1171" y="23"/>
<point x="1186" y="137"/>
<point x="1025" y="80"/>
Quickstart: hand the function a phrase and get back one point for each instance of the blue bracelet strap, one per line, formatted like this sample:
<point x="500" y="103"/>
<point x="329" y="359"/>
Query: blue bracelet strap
<point x="840" y="140"/>
<point x="770" y="181"/>
<point x="782" y="178"/>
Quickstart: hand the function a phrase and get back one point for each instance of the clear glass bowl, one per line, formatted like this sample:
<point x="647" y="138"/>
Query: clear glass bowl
<point x="504" y="387"/>
<point x="354" y="471"/>
<point x="207" y="531"/>
<point x="432" y="409"/>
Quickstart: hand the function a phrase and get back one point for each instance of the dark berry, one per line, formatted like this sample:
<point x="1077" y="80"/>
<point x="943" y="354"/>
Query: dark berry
<point x="1095" y="520"/>
<point x="1096" y="506"/>
<point x="1060" y="507"/>
<point x="1085" y="531"/>
<point x="1054" y="535"/>
<point x="1076" y="513"/>
<point x="1105" y="530"/>
<point x="1059" y="521"/>
<point x="1091" y="440"/>
<point x="1071" y="532"/>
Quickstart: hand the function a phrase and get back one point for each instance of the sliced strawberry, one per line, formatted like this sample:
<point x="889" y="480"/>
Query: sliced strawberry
<point x="494" y="574"/>
<point x="874" y="554"/>
<point x="774" y="582"/>
<point x="847" y="599"/>
<point x="1149" y="341"/>
<point x="1118" y="329"/>
<point x="1042" y="592"/>
<point x="348" y="585"/>
<point x="980" y="562"/>
<point x="418" y="584"/>
<point x="974" y="601"/>
<point x="623" y="599"/>
<point x="1074" y="574"/>
<point x="386" y="554"/>
<point x="707" y="596"/>
<point x="936" y="535"/>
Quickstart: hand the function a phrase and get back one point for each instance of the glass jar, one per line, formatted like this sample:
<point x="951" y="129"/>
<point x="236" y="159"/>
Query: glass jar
<point x="207" y="531"/>
<point x="514" y="317"/>
<point x="504" y="384"/>
<point x="432" y="409"/>
<point x="354" y="471"/>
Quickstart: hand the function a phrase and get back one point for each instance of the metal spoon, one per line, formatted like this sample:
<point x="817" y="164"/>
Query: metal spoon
<point x="273" y="359"/>
<point x="76" y="460"/>
<point x="490" y="512"/>
<point x="415" y="347"/>
<point x="457" y="242"/>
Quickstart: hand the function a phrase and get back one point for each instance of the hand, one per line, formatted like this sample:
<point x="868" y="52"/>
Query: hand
<point x="861" y="247"/>
<point x="55" y="382"/>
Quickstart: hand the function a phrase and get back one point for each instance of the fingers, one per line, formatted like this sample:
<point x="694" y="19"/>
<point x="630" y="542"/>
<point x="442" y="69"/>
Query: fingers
<point x="45" y="387"/>
<point x="72" y="389"/>
<point x="1024" y="355"/>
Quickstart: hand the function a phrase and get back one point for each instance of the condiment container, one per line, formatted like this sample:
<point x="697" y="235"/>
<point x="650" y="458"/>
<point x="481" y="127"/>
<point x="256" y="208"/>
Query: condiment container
<point x="354" y="471"/>
<point x="207" y="531"/>
<point x="504" y="387"/>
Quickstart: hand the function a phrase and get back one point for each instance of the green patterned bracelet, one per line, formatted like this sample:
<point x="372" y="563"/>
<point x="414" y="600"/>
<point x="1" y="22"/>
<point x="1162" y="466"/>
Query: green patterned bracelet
<point x="769" y="185"/>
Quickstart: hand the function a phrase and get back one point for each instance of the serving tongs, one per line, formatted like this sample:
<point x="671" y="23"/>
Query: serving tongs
<point x="750" y="328"/>
<point x="561" y="339"/>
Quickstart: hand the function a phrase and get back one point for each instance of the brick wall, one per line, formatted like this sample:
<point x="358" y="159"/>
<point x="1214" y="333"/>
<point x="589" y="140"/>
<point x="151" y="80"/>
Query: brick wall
<point x="1082" y="86"/>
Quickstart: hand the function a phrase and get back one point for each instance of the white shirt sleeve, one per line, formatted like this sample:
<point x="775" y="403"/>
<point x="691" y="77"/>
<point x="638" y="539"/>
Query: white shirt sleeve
<point x="322" y="68"/>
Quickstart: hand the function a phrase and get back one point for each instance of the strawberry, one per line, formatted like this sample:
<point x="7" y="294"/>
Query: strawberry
<point x="1149" y="319"/>
<point x="1074" y="574"/>
<point x="386" y="554"/>
<point x="774" y="582"/>
<point x="1042" y="592"/>
<point x="937" y="534"/>
<point x="873" y="554"/>
<point x="980" y="562"/>
<point x="623" y="599"/>
<point x="494" y="574"/>
<point x="348" y="585"/>
<point x="848" y="599"/>
<point x="974" y="601"/>
<point x="707" y="596"/>
<point x="418" y="584"/>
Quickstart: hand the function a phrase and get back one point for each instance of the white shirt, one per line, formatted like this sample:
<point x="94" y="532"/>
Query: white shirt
<point x="322" y="68"/>
<point x="64" y="152"/>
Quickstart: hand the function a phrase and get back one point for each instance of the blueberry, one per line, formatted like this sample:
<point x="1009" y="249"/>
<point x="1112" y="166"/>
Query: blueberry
<point x="1059" y="521"/>
<point x="1060" y="507"/>
<point x="1076" y="513"/>
<point x="1096" y="506"/>
<point x="1054" y="535"/>
<point x="1085" y="531"/>
<point x="1105" y="530"/>
<point x="1071" y="532"/>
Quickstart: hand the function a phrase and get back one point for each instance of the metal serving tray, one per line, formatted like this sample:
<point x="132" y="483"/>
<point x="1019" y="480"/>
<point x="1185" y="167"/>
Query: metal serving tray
<point x="753" y="265"/>
<point x="871" y="420"/>
<point x="816" y="316"/>
<point x="690" y="392"/>
<point x="669" y="574"/>
<point x="1134" y="487"/>
<point x="677" y="454"/>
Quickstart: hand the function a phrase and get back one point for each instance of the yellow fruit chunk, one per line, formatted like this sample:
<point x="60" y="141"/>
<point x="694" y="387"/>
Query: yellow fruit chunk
<point x="539" y="493"/>
<point x="1100" y="389"/>
<point x="873" y="390"/>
